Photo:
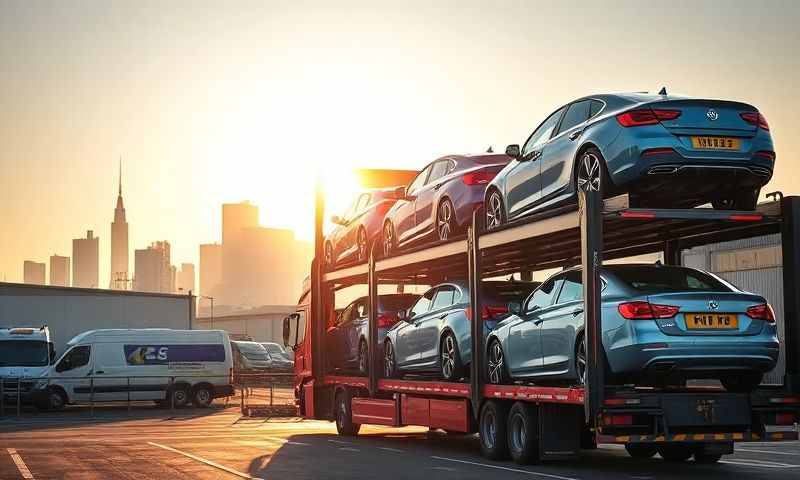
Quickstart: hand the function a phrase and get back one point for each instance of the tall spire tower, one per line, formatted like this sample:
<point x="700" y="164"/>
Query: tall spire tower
<point x="119" y="242"/>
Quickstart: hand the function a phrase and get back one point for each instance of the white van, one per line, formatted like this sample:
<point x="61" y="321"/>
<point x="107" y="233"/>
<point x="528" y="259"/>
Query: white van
<point x="195" y="366"/>
<point x="25" y="354"/>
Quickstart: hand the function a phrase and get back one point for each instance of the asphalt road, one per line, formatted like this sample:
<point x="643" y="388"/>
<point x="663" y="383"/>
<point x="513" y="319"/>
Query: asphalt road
<point x="219" y="444"/>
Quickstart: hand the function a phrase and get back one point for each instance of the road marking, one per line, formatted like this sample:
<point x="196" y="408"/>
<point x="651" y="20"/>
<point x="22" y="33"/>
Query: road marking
<point x="508" y="469"/>
<point x="349" y="449"/>
<point x="203" y="460"/>
<point x="760" y="463"/>
<point x="283" y="440"/>
<point x="766" y="451"/>
<point x="23" y="469"/>
<point x="339" y="442"/>
<point x="389" y="449"/>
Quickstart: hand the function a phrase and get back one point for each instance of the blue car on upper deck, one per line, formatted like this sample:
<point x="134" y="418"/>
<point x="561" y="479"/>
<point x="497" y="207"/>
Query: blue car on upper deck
<point x="664" y="150"/>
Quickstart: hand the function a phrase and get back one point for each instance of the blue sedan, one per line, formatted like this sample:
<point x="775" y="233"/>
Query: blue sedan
<point x="664" y="150"/>
<point x="660" y="325"/>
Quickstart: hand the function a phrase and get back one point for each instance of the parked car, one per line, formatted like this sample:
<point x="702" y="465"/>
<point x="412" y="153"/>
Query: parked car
<point x="434" y="336"/>
<point x="276" y="350"/>
<point x="665" y="150"/>
<point x="439" y="202"/>
<point x="358" y="228"/>
<point x="660" y="324"/>
<point x="190" y="366"/>
<point x="348" y="337"/>
<point x="254" y="356"/>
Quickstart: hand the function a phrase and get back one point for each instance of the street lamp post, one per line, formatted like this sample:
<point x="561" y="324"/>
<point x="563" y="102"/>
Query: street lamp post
<point x="212" y="308"/>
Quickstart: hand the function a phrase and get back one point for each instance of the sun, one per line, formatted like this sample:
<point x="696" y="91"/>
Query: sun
<point x="340" y="186"/>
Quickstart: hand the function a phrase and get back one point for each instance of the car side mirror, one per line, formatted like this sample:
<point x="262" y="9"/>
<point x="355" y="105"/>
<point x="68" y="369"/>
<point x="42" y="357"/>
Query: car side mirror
<point x="287" y="331"/>
<point x="514" y="308"/>
<point x="399" y="192"/>
<point x="513" y="151"/>
<point x="336" y="219"/>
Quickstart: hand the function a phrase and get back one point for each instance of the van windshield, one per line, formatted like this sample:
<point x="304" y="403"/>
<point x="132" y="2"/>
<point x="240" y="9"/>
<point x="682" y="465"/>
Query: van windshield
<point x="24" y="353"/>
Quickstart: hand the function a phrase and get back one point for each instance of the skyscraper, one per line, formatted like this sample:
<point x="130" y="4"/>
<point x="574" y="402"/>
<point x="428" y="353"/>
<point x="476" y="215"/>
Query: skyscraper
<point x="210" y="269"/>
<point x="153" y="271"/>
<point x="185" y="281"/>
<point x="85" y="260"/>
<point x="119" y="243"/>
<point x="59" y="271"/>
<point x="34" y="272"/>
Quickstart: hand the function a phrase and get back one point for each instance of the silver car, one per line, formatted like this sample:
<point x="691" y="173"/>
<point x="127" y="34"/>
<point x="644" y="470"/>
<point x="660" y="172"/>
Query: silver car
<point x="661" y="324"/>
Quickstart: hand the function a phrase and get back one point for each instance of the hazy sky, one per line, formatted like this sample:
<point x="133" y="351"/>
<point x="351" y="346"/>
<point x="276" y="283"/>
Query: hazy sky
<point x="225" y="101"/>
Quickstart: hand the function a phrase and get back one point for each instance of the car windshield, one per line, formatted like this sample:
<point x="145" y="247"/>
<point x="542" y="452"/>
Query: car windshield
<point x="24" y="353"/>
<point x="657" y="279"/>
<point x="274" y="349"/>
<point x="395" y="303"/>
<point x="253" y="351"/>
<point x="505" y="292"/>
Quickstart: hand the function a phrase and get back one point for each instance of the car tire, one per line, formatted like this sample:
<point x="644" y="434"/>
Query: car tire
<point x="492" y="427"/>
<point x="363" y="358"/>
<point x="591" y="171"/>
<point x="55" y="400"/>
<point x="445" y="220"/>
<point x="580" y="359"/>
<point x="675" y="453"/>
<point x="389" y="360"/>
<point x="344" y="415"/>
<point x="745" y="383"/>
<point x="329" y="255"/>
<point x="450" y="366"/>
<point x="389" y="241"/>
<point x="523" y="433"/>
<point x="362" y="247"/>
<point x="745" y="200"/>
<point x="202" y="396"/>
<point x="494" y="210"/>
<point x="497" y="370"/>
<point x="178" y="396"/>
<point x="641" y="450"/>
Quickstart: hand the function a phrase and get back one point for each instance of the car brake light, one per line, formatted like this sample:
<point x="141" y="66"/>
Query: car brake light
<point x="761" y="312"/>
<point x="755" y="118"/>
<point x="646" y="310"/>
<point x="765" y="154"/>
<point x="646" y="116"/>
<point x="386" y="320"/>
<point x="479" y="177"/>
<point x="488" y="311"/>
<point x="657" y="151"/>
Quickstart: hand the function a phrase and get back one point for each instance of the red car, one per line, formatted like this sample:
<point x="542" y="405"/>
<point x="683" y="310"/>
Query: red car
<point x="357" y="229"/>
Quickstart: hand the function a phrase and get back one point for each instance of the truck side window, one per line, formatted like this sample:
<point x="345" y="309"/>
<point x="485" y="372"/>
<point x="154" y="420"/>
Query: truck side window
<point x="75" y="358"/>
<point x="301" y="327"/>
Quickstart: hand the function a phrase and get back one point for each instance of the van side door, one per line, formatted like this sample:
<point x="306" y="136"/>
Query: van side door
<point x="73" y="373"/>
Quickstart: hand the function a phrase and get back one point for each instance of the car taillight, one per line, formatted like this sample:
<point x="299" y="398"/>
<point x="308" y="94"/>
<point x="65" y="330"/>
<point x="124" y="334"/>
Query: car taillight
<point x="479" y="177"/>
<point x="646" y="310"/>
<point x="761" y="312"/>
<point x="646" y="116"/>
<point x="784" y="419"/>
<point x="386" y="320"/>
<point x="488" y="312"/>
<point x="616" y="420"/>
<point x="765" y="154"/>
<point x="755" y="118"/>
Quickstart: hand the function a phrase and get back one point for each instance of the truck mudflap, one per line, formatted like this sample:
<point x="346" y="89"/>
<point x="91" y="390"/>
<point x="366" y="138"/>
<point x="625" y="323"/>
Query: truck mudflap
<point x="700" y="437"/>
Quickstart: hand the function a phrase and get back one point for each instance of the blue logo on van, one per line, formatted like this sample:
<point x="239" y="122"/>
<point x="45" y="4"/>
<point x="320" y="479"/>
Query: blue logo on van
<point x="164" y="354"/>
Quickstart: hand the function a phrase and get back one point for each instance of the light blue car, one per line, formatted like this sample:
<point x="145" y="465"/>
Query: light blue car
<point x="664" y="150"/>
<point x="660" y="325"/>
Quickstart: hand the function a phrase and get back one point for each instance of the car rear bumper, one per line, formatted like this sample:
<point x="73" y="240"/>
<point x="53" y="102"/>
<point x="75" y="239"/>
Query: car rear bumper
<point x="693" y="360"/>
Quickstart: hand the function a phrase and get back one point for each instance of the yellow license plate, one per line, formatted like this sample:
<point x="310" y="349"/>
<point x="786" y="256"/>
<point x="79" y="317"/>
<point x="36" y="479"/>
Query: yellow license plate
<point x="716" y="143"/>
<point x="711" y="321"/>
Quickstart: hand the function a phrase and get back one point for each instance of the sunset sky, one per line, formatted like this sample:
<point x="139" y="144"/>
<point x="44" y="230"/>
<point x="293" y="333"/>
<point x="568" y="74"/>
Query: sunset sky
<point x="226" y="101"/>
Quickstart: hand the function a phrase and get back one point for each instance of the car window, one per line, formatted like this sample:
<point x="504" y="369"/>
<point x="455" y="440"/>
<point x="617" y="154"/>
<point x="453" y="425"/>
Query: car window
<point x="346" y="315"/>
<point x="544" y="295"/>
<point x="543" y="133"/>
<point x="363" y="202"/>
<point x="439" y="170"/>
<point x="577" y="113"/>
<point x="419" y="181"/>
<point x="572" y="288"/>
<point x="423" y="304"/>
<point x="351" y="210"/>
<point x="445" y="296"/>
<point x="75" y="358"/>
<point x="361" y="309"/>
<point x="595" y="108"/>
<point x="655" y="279"/>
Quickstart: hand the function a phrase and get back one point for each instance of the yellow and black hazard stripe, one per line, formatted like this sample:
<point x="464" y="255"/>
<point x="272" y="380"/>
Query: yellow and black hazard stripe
<point x="699" y="437"/>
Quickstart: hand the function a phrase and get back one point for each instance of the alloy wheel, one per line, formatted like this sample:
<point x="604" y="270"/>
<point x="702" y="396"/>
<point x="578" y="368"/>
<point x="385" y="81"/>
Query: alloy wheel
<point x="444" y="220"/>
<point x="328" y="255"/>
<point x="589" y="172"/>
<point x="580" y="361"/>
<point x="362" y="357"/>
<point x="388" y="360"/>
<point x="496" y="363"/>
<point x="388" y="239"/>
<point x="449" y="357"/>
<point x="362" y="245"/>
<point x="494" y="211"/>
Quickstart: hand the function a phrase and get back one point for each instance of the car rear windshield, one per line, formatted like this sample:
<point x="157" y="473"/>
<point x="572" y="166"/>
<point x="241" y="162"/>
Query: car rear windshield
<point x="395" y="303"/>
<point x="505" y="292"/>
<point x="668" y="279"/>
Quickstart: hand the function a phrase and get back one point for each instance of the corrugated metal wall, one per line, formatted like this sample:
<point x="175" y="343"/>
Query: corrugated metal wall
<point x="766" y="281"/>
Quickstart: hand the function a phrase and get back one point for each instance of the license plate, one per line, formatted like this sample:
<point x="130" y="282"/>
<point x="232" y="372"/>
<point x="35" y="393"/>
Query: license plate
<point x="716" y="143"/>
<point x="711" y="321"/>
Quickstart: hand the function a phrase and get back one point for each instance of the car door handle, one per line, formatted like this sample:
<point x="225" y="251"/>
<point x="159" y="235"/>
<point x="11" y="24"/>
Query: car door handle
<point x="574" y="135"/>
<point x="538" y="321"/>
<point x="438" y="186"/>
<point x="443" y="316"/>
<point x="577" y="312"/>
<point x="99" y="372"/>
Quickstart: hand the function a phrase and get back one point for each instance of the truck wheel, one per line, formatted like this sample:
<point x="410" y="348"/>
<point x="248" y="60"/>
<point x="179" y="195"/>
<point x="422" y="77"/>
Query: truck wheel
<point x="344" y="415"/>
<point x="492" y="428"/>
<point x="675" y="453"/>
<point x="641" y="450"/>
<point x="523" y="433"/>
<point x="203" y="396"/>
